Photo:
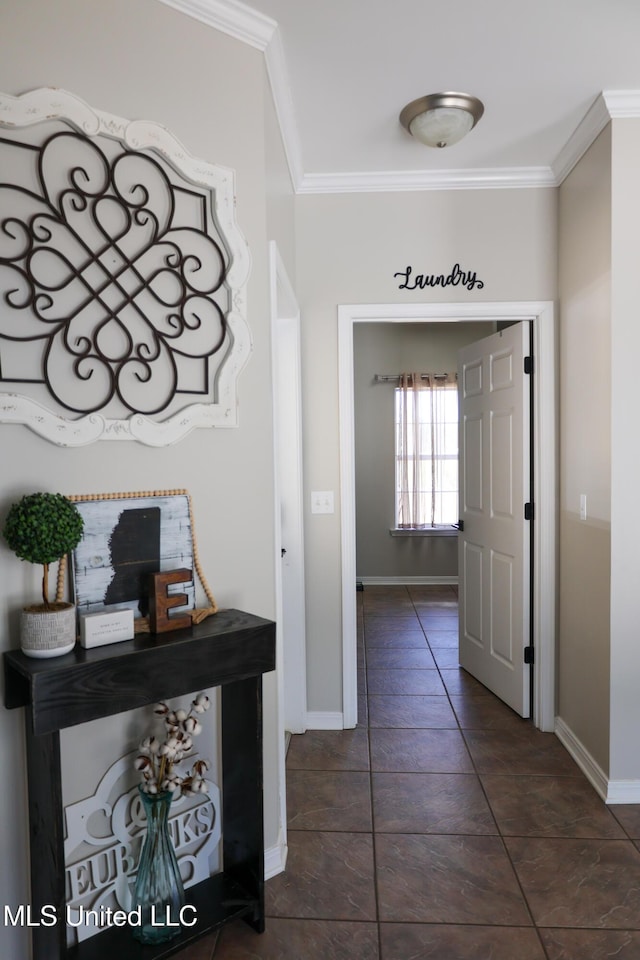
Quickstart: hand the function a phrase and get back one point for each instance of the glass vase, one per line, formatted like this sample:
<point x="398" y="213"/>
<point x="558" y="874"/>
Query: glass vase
<point x="159" y="893"/>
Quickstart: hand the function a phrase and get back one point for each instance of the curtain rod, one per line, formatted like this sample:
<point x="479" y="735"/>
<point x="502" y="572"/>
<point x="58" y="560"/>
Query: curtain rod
<point x="384" y="377"/>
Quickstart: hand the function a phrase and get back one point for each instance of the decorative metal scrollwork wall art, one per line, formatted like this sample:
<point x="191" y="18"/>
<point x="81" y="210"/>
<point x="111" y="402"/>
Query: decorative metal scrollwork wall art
<point x="122" y="277"/>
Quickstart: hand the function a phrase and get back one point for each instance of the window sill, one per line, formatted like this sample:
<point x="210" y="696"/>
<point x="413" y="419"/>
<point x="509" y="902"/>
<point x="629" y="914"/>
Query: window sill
<point x="444" y="531"/>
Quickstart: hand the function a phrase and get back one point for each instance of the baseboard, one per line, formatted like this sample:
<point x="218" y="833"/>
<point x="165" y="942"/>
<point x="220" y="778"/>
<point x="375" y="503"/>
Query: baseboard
<point x="324" y="720"/>
<point x="592" y="770"/>
<point x="611" y="791"/>
<point x="408" y="581"/>
<point x="275" y="859"/>
<point x="623" y="791"/>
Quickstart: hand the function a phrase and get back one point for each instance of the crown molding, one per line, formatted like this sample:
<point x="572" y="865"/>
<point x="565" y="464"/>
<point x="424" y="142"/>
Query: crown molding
<point x="592" y="124"/>
<point x="608" y="105"/>
<point x="622" y="104"/>
<point x="405" y="180"/>
<point x="285" y="111"/>
<point x="232" y="17"/>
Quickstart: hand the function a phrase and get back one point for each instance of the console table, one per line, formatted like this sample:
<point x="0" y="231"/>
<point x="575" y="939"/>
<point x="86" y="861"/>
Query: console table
<point x="231" y="650"/>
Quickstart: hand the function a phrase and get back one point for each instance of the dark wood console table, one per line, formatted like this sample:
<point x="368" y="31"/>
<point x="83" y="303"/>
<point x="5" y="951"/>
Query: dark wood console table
<point x="231" y="650"/>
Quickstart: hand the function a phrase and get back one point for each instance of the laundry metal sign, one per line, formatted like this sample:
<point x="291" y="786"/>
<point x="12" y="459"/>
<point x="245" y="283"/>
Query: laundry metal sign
<point x="455" y="278"/>
<point x="104" y="838"/>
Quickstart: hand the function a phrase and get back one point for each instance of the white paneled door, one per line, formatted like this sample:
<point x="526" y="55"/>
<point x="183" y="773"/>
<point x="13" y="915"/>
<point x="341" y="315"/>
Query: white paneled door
<point x="495" y="494"/>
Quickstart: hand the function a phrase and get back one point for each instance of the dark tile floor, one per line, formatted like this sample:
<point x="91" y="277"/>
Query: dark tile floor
<point x="443" y="827"/>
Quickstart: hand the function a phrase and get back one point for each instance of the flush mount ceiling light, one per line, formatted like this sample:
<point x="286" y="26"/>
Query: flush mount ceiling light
<point x="441" y="118"/>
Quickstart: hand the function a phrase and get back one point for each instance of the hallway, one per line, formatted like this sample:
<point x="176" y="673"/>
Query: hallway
<point x="443" y="827"/>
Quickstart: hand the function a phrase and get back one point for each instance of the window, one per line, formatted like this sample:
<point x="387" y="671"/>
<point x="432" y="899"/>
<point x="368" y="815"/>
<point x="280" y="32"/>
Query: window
<point x="426" y="451"/>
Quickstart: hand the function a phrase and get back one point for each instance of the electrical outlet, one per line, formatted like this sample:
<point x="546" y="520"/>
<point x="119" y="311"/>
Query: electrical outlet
<point x="322" y="501"/>
<point x="583" y="506"/>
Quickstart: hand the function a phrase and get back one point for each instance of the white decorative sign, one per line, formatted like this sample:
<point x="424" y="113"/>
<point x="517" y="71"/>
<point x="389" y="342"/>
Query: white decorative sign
<point x="124" y="540"/>
<point x="104" y="839"/>
<point x="100" y="629"/>
<point x="122" y="277"/>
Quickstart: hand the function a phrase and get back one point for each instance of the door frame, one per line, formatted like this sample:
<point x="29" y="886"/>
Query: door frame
<point x="287" y="423"/>
<point x="291" y="665"/>
<point x="542" y="315"/>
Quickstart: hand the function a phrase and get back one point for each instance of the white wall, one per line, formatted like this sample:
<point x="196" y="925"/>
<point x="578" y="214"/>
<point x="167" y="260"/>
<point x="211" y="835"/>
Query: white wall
<point x="348" y="249"/>
<point x="145" y="60"/>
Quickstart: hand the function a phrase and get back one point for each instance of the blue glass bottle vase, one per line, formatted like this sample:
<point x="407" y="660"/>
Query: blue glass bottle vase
<point x="158" y="893"/>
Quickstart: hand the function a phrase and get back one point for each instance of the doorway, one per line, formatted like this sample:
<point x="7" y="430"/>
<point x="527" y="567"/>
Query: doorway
<point x="289" y="539"/>
<point x="544" y="421"/>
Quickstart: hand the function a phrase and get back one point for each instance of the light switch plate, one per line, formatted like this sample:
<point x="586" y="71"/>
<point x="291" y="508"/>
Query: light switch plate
<point x="322" y="501"/>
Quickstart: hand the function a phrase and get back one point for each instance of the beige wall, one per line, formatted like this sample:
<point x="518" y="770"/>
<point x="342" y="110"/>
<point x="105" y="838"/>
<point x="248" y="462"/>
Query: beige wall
<point x="348" y="249"/>
<point x="625" y="452"/>
<point x="391" y="348"/>
<point x="145" y="60"/>
<point x="599" y="655"/>
<point x="585" y="449"/>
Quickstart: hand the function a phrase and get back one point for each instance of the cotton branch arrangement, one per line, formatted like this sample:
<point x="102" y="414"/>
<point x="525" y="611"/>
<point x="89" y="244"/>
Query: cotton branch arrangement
<point x="157" y="759"/>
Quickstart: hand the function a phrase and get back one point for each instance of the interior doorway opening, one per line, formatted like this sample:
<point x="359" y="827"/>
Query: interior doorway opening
<point x="544" y="417"/>
<point x="405" y="438"/>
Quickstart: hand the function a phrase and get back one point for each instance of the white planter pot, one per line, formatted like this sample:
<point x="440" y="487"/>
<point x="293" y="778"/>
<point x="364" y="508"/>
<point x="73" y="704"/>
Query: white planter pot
<point x="48" y="633"/>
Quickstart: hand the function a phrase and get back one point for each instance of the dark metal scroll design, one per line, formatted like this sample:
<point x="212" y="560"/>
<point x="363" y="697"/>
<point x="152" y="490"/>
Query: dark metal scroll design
<point x="96" y="268"/>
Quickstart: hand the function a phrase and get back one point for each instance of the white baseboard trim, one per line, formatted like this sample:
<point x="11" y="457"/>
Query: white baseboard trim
<point x="275" y="859"/>
<point x="623" y="791"/>
<point x="592" y="770"/>
<point x="407" y="581"/>
<point x="611" y="791"/>
<point x="324" y="720"/>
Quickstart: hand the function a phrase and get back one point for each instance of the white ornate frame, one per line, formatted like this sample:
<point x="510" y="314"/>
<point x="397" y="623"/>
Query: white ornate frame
<point x="46" y="104"/>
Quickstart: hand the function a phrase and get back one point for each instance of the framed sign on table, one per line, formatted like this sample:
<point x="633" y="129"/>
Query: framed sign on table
<point x="127" y="537"/>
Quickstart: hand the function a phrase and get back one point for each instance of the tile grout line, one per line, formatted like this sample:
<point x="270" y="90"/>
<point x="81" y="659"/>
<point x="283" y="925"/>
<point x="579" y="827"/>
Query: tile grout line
<point x="371" y="805"/>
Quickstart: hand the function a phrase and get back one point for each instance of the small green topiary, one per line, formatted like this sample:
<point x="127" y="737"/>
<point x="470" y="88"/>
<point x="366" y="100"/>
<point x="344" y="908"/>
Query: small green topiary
<point x="42" y="528"/>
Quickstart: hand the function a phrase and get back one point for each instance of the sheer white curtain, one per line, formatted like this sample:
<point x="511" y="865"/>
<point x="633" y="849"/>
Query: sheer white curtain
<point x="426" y="450"/>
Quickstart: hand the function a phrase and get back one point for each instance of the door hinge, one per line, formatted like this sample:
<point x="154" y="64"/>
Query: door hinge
<point x="528" y="364"/>
<point x="528" y="511"/>
<point x="528" y="655"/>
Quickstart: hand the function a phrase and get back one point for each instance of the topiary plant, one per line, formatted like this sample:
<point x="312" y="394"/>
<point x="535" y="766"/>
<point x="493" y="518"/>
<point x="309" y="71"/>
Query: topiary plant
<point x="42" y="528"/>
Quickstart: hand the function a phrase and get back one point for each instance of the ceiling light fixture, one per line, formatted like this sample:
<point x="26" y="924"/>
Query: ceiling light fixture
<point x="441" y="118"/>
